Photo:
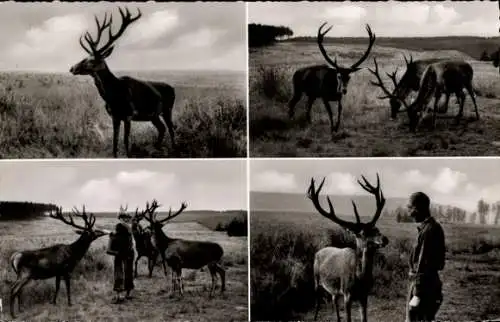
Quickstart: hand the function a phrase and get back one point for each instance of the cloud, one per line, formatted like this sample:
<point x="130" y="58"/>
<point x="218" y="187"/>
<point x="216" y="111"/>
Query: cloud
<point x="443" y="15"/>
<point x="272" y="180"/>
<point x="155" y="26"/>
<point x="401" y="13"/>
<point x="341" y="183"/>
<point x="448" y="180"/>
<point x="345" y="12"/>
<point x="201" y="38"/>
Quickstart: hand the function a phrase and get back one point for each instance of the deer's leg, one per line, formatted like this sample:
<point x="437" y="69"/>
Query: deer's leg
<point x="116" y="133"/>
<point x="135" y="264"/>
<point x="167" y="117"/>
<point x="330" y="114"/>
<point x="15" y="291"/>
<point x="362" y="309"/>
<point x="213" y="274"/>
<point x="348" y="307"/>
<point x="152" y="263"/>
<point x="58" y="283"/>
<point x="222" y="274"/>
<point x="126" y="135"/>
<point x="161" y="130"/>
<point x="309" y="105"/>
<point x="470" y="90"/>
<point x="336" y="299"/>
<point x="461" y="108"/>
<point x="291" y="104"/>
<point x="437" y="97"/>
<point x="446" y="102"/>
<point x="67" y="279"/>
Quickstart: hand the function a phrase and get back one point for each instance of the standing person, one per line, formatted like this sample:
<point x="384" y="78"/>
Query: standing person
<point x="427" y="259"/>
<point x="121" y="247"/>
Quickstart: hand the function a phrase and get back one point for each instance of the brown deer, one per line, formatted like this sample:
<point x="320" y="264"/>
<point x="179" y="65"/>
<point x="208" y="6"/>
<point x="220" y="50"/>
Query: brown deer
<point x="442" y="77"/>
<point x="127" y="99"/>
<point x="54" y="261"/>
<point x="328" y="83"/>
<point x="143" y="243"/>
<point x="181" y="253"/>
<point x="348" y="271"/>
<point x="410" y="81"/>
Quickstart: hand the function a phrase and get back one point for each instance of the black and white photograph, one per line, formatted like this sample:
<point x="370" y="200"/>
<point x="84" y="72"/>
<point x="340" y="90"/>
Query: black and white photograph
<point x="375" y="239"/>
<point x="374" y="79"/>
<point x="126" y="240"/>
<point x="123" y="80"/>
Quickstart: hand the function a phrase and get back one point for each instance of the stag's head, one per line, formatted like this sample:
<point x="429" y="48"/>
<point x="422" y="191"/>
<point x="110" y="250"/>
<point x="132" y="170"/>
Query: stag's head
<point x="343" y="73"/>
<point x="409" y="81"/>
<point x="95" y="62"/>
<point x="88" y="231"/>
<point x="151" y="216"/>
<point x="367" y="234"/>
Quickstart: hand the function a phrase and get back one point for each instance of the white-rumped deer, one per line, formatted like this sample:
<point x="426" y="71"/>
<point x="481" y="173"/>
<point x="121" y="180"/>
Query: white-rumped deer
<point x="438" y="78"/>
<point x="328" y="83"/>
<point x="181" y="253"/>
<point x="348" y="271"/>
<point x="54" y="261"/>
<point x="410" y="81"/>
<point x="126" y="99"/>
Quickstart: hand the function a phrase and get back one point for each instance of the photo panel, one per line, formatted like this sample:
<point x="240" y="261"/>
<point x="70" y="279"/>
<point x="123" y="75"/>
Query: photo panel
<point x="424" y="237"/>
<point x="373" y="79"/>
<point x="117" y="79"/>
<point x="136" y="240"/>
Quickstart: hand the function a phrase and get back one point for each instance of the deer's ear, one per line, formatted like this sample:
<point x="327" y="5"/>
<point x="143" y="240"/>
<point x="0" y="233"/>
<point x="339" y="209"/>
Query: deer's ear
<point x="79" y="231"/>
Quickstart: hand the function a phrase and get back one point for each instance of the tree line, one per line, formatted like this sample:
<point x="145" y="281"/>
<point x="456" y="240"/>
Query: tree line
<point x="260" y="35"/>
<point x="14" y="210"/>
<point x="450" y="214"/>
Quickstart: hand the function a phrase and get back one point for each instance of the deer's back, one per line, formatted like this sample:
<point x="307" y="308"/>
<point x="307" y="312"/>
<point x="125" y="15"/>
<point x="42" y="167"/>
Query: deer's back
<point x="194" y="254"/>
<point x="335" y="268"/>
<point x="144" y="95"/>
<point x="316" y="80"/>
<point x="47" y="262"/>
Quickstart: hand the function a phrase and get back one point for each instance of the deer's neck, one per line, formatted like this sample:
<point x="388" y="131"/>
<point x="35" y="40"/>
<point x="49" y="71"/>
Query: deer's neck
<point x="106" y="83"/>
<point x="80" y="246"/>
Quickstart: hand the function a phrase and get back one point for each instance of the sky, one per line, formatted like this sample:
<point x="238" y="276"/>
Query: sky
<point x="454" y="181"/>
<point x="44" y="36"/>
<point x="104" y="185"/>
<point x="386" y="18"/>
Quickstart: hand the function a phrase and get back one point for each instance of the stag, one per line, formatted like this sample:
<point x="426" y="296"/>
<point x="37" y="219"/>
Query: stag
<point x="441" y="77"/>
<point x="181" y="253"/>
<point x="348" y="271"/>
<point x="56" y="261"/>
<point x="328" y="83"/>
<point x="410" y="81"/>
<point x="143" y="244"/>
<point x="126" y="99"/>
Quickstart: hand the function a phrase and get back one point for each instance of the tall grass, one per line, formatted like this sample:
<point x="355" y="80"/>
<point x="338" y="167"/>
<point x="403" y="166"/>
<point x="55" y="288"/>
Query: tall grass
<point x="55" y="116"/>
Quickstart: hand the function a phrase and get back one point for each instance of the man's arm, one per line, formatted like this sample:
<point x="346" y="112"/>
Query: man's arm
<point x="431" y="256"/>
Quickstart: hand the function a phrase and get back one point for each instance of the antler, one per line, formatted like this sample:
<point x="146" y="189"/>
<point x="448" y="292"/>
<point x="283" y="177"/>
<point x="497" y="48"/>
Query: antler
<point x="127" y="19"/>
<point x="89" y="222"/>
<point x="380" y="83"/>
<point x="379" y="197"/>
<point x="372" y="38"/>
<point x="406" y="60"/>
<point x="170" y="216"/>
<point x="334" y="64"/>
<point x="123" y="209"/>
<point x="149" y="213"/>
<point x="313" y="194"/>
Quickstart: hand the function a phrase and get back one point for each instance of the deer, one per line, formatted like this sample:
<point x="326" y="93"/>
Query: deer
<point x="347" y="271"/>
<point x="495" y="57"/>
<point x="126" y="99"/>
<point x="181" y="253"/>
<point x="57" y="260"/>
<point x="329" y="83"/>
<point x="450" y="76"/>
<point x="143" y="244"/>
<point x="410" y="81"/>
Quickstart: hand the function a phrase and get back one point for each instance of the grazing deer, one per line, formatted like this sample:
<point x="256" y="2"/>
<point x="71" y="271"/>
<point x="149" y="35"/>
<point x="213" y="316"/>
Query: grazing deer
<point x="55" y="261"/>
<point x="328" y="83"/>
<point x="143" y="244"/>
<point x="181" y="253"/>
<point x="127" y="99"/>
<point x="410" y="81"/>
<point x="442" y="77"/>
<point x="348" y="271"/>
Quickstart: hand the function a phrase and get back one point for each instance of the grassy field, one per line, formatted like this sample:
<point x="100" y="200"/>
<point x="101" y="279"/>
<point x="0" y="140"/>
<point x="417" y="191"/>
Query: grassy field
<point x="63" y="116"/>
<point x="92" y="279"/>
<point x="282" y="252"/>
<point x="366" y="129"/>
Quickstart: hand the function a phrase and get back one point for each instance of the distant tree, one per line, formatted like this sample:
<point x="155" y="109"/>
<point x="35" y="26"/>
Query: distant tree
<point x="264" y="35"/>
<point x="482" y="210"/>
<point x="485" y="56"/>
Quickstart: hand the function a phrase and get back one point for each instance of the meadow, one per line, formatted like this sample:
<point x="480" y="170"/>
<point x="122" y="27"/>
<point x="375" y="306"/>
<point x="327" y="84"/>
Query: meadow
<point x="63" y="116"/>
<point x="366" y="129"/>
<point x="283" y="245"/>
<point x="91" y="283"/>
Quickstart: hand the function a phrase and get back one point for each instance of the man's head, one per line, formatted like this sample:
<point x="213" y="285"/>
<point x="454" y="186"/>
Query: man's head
<point x="419" y="206"/>
<point x="125" y="218"/>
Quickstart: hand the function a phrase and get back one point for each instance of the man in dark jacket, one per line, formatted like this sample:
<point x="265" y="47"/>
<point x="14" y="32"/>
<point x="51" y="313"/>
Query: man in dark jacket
<point x="427" y="259"/>
<point x="123" y="251"/>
